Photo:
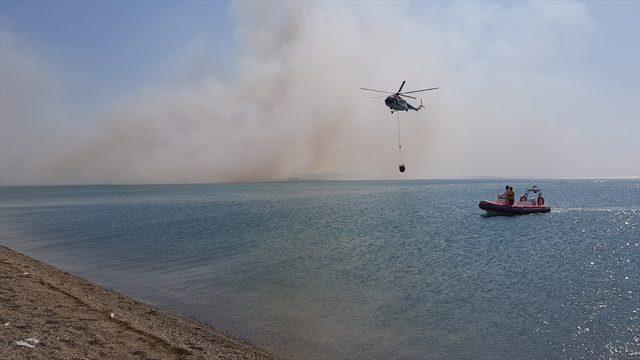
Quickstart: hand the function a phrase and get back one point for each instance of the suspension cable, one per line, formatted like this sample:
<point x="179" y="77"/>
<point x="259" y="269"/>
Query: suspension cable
<point x="399" y="142"/>
<point x="400" y="150"/>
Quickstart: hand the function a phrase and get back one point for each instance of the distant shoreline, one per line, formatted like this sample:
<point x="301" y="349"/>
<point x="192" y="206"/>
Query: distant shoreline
<point x="74" y="318"/>
<point x="302" y="180"/>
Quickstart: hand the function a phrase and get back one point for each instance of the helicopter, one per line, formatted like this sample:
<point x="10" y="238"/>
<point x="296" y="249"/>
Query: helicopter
<point x="396" y="101"/>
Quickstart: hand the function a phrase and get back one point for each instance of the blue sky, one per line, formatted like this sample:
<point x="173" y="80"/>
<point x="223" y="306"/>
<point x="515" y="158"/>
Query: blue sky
<point x="613" y="47"/>
<point x="122" y="44"/>
<point x="112" y="47"/>
<point x="182" y="72"/>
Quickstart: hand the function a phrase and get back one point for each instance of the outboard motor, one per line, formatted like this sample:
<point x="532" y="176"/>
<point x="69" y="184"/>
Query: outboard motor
<point x="401" y="167"/>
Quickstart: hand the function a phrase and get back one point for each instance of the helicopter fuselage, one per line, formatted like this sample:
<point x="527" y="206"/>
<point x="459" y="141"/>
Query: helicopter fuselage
<point x="396" y="103"/>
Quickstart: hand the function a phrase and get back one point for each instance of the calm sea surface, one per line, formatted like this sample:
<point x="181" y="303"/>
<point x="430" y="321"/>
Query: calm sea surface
<point x="337" y="270"/>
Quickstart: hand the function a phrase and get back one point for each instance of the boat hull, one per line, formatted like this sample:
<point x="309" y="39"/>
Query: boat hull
<point x="498" y="209"/>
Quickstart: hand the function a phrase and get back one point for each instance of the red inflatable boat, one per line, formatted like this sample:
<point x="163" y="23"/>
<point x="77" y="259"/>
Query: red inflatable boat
<point x="524" y="206"/>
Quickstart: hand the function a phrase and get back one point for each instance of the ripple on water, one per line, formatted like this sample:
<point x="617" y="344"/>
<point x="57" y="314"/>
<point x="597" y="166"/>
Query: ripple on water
<point x="359" y="269"/>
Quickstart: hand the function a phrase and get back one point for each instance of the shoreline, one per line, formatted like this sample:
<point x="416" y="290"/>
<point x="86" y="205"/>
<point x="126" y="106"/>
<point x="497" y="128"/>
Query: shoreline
<point x="77" y="319"/>
<point x="470" y="178"/>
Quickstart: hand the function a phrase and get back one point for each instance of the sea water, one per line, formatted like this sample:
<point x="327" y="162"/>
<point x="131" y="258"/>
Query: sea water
<point x="359" y="270"/>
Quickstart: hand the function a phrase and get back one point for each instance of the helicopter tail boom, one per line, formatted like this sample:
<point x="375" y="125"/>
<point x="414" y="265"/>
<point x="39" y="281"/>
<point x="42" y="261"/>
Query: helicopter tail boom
<point x="416" y="108"/>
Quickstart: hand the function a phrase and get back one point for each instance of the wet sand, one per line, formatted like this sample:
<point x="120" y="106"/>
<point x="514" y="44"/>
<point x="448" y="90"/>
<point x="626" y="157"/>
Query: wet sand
<point x="75" y="319"/>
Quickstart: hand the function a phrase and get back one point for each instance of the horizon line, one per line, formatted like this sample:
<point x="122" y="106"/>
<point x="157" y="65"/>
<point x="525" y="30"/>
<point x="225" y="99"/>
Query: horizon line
<point x="631" y="177"/>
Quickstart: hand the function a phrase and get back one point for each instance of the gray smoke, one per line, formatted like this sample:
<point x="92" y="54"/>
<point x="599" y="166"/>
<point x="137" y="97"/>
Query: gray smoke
<point x="293" y="106"/>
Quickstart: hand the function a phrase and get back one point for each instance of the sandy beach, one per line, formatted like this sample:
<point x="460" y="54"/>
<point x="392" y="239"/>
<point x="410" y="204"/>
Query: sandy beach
<point x="67" y="317"/>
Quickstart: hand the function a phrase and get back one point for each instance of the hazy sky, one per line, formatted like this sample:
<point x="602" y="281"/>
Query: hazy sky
<point x="157" y="92"/>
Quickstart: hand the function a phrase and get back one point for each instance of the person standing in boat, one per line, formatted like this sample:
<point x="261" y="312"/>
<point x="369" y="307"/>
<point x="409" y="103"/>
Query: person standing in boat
<point x="505" y="195"/>
<point x="511" y="196"/>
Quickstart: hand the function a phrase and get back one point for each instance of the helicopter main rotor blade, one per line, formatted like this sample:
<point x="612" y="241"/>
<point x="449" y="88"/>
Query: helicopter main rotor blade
<point x="415" y="91"/>
<point x="407" y="96"/>
<point x="401" y="86"/>
<point x="386" y="92"/>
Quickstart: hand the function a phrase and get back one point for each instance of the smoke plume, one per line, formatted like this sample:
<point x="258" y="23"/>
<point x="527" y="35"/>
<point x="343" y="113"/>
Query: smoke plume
<point x="292" y="106"/>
